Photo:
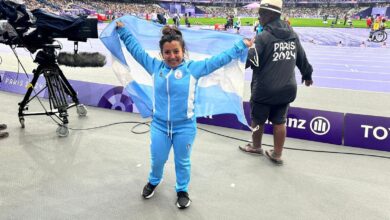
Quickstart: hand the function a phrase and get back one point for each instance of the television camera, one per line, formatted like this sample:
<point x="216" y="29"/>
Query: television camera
<point x="36" y="31"/>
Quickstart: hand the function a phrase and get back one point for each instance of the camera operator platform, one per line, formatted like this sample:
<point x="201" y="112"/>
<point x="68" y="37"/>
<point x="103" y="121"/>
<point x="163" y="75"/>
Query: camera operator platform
<point x="58" y="90"/>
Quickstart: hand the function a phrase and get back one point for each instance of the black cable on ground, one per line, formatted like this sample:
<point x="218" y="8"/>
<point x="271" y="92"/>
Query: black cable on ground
<point x="137" y="124"/>
<point x="298" y="149"/>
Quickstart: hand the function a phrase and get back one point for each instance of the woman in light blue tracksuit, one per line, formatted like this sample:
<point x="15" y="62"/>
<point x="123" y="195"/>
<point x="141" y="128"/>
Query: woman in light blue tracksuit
<point x="174" y="121"/>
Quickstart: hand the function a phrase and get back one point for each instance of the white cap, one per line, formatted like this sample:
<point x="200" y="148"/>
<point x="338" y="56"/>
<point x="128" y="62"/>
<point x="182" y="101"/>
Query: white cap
<point x="272" y="5"/>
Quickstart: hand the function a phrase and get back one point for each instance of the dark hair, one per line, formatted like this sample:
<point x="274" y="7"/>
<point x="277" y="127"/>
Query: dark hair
<point x="170" y="34"/>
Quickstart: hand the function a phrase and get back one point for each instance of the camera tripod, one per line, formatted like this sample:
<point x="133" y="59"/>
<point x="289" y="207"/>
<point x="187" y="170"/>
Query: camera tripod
<point x="59" y="89"/>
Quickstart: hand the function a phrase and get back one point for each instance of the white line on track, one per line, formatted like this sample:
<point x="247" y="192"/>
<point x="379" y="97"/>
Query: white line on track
<point x="349" y="60"/>
<point x="346" y="65"/>
<point x="349" y="79"/>
<point x="330" y="88"/>
<point x="352" y="71"/>
<point x="365" y="56"/>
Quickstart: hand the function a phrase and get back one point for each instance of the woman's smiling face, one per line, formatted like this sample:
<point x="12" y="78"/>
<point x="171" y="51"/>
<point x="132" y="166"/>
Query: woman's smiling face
<point x="172" y="53"/>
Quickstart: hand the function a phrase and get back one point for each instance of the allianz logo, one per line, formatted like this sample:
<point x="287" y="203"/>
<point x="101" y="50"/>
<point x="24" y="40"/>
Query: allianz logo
<point x="318" y="125"/>
<point x="378" y="132"/>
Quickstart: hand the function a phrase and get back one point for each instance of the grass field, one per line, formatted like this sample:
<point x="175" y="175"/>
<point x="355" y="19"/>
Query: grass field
<point x="295" y="22"/>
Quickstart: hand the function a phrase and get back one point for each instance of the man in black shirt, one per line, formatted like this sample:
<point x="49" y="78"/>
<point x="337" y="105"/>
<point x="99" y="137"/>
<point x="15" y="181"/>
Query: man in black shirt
<point x="273" y="59"/>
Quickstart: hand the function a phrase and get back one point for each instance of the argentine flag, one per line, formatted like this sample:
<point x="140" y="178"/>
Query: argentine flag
<point x="220" y="92"/>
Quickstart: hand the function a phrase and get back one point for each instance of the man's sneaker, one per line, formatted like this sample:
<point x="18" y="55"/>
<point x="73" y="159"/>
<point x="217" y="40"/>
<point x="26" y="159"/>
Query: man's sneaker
<point x="148" y="191"/>
<point x="183" y="200"/>
<point x="3" y="126"/>
<point x="4" y="134"/>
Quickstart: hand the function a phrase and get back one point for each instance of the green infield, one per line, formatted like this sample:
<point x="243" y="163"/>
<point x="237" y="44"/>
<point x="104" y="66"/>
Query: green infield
<point x="295" y="22"/>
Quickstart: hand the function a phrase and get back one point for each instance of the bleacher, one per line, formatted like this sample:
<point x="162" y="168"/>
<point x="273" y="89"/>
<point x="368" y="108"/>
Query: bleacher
<point x="220" y="8"/>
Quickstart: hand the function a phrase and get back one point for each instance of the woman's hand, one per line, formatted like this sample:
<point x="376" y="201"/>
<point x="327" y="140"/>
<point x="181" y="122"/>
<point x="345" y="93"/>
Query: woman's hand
<point x="119" y="24"/>
<point x="249" y="42"/>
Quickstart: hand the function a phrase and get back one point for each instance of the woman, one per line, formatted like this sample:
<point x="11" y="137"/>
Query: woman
<point x="174" y="121"/>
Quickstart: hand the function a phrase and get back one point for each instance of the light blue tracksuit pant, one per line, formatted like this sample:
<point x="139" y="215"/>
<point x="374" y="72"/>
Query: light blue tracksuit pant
<point x="181" y="136"/>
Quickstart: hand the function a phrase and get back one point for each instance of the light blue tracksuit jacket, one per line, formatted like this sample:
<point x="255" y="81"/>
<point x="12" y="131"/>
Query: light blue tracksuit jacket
<point x="174" y="119"/>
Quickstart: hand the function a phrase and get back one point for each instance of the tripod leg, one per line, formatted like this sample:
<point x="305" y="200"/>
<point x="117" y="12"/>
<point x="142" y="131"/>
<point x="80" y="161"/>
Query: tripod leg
<point x="57" y="96"/>
<point x="23" y="103"/>
<point x="68" y="88"/>
<point x="81" y="109"/>
<point x="56" y="89"/>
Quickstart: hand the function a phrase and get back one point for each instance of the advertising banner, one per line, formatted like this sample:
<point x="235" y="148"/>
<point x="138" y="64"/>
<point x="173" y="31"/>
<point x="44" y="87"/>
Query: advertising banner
<point x="371" y="132"/>
<point x="18" y="83"/>
<point x="88" y="93"/>
<point x="315" y="125"/>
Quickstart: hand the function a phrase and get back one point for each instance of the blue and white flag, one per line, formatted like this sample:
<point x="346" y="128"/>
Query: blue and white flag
<point x="221" y="92"/>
